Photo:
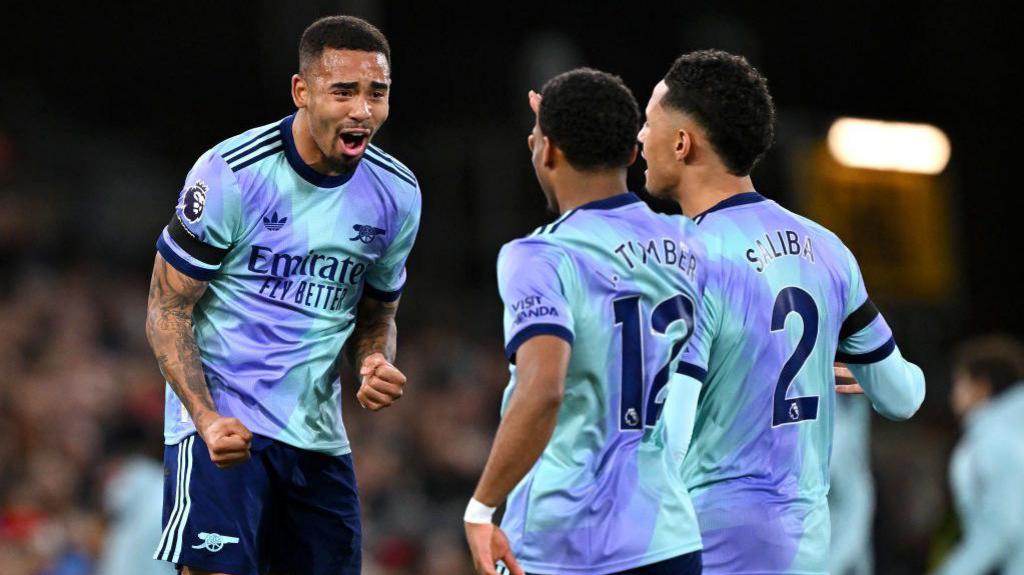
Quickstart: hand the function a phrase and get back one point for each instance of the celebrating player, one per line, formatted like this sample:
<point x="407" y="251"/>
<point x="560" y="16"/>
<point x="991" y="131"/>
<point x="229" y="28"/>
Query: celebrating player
<point x="784" y="299"/>
<point x="597" y="304"/>
<point x="288" y="241"/>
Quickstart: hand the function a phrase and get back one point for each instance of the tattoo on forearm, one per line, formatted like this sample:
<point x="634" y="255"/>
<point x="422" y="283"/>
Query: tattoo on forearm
<point x="375" y="331"/>
<point x="169" y="330"/>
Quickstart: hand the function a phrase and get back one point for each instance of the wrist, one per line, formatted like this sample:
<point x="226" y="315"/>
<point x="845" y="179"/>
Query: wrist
<point x="477" y="512"/>
<point x="203" y="419"/>
<point x="371" y="354"/>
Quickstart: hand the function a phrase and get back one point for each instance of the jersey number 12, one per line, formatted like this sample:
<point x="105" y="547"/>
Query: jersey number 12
<point x="628" y="314"/>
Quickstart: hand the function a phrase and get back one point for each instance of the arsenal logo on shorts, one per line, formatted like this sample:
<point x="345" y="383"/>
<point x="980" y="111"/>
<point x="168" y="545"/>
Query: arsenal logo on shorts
<point x="194" y="201"/>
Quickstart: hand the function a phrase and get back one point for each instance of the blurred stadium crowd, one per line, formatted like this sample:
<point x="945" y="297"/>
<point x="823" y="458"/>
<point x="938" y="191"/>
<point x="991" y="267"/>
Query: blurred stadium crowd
<point x="81" y="410"/>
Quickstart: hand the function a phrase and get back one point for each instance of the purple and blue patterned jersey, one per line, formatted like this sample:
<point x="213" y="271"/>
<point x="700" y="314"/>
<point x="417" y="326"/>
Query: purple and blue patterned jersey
<point x="621" y="284"/>
<point x="288" y="252"/>
<point x="784" y="299"/>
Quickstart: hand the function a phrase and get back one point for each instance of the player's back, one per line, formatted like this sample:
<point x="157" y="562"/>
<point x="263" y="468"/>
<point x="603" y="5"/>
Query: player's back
<point x="620" y="283"/>
<point x="779" y="289"/>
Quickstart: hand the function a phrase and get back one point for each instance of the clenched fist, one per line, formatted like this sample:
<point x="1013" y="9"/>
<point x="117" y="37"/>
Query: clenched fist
<point x="228" y="441"/>
<point x="382" y="382"/>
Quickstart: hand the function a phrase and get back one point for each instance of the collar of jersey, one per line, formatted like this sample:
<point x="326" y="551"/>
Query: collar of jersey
<point x="616" y="201"/>
<point x="302" y="168"/>
<point x="733" y="201"/>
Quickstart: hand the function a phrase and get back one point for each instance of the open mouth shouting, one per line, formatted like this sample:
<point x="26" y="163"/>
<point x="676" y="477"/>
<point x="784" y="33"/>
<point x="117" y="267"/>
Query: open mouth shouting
<point x="354" y="141"/>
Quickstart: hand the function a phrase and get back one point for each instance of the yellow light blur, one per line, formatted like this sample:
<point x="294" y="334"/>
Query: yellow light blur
<point x="892" y="146"/>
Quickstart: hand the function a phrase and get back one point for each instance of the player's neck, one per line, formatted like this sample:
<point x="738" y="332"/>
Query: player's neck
<point x="704" y="193"/>
<point x="581" y="188"/>
<point x="306" y="146"/>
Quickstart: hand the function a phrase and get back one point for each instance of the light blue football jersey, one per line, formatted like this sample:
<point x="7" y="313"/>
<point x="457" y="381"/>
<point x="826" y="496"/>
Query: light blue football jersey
<point x="851" y="498"/>
<point x="621" y="284"/>
<point x="985" y="473"/>
<point x="784" y="299"/>
<point x="287" y="252"/>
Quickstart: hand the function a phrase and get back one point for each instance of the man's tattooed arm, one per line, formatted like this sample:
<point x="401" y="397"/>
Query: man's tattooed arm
<point x="375" y="331"/>
<point x="172" y="296"/>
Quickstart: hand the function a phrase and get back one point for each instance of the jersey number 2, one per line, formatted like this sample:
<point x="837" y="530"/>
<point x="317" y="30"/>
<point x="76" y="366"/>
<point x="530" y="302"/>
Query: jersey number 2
<point x="794" y="409"/>
<point x="627" y="313"/>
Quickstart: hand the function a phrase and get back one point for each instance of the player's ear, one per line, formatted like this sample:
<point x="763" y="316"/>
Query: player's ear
<point x="299" y="91"/>
<point x="684" y="145"/>
<point x="548" y="155"/>
<point x="632" y="155"/>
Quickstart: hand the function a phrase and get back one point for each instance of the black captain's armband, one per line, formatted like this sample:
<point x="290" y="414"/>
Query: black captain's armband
<point x="194" y="246"/>
<point x="858" y="320"/>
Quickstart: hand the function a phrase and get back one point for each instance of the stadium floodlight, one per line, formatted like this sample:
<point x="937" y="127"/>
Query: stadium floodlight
<point x="893" y="146"/>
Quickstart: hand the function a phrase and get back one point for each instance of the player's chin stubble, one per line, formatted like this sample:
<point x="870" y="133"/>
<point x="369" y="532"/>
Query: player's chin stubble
<point x="661" y="192"/>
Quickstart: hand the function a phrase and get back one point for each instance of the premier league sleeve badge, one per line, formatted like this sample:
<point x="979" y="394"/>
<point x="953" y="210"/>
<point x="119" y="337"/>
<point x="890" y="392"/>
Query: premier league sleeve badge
<point x="194" y="201"/>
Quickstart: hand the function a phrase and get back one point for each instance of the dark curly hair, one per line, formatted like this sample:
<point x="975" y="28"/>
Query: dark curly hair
<point x="592" y="117"/>
<point x="341" y="33"/>
<point x="730" y="99"/>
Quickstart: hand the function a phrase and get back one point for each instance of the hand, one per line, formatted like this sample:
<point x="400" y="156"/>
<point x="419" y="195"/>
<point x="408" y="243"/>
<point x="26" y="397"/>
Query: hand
<point x="227" y="439"/>
<point x="845" y="382"/>
<point x="382" y="383"/>
<point x="488" y="545"/>
<point x="535" y="99"/>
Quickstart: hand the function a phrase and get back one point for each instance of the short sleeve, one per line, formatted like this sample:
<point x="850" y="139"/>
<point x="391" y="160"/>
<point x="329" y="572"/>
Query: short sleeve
<point x="864" y="337"/>
<point x="386" y="277"/>
<point x="205" y="219"/>
<point x="531" y="282"/>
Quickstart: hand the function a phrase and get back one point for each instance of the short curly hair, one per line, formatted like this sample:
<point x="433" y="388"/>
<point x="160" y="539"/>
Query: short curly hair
<point x="341" y="33"/>
<point x="730" y="99"/>
<point x="592" y="117"/>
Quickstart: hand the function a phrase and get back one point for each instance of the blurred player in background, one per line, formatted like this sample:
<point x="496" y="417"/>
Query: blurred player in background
<point x="851" y="496"/>
<point x="784" y="299"/>
<point x="597" y="305"/>
<point x="133" y="498"/>
<point x="288" y="241"/>
<point x="987" y="469"/>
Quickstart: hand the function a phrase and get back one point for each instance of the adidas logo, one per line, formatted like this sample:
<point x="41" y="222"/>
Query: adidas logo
<point x="272" y="223"/>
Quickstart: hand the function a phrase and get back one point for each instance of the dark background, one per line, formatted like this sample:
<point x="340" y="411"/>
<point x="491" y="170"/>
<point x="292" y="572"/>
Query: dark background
<point x="103" y="109"/>
<point x="164" y="85"/>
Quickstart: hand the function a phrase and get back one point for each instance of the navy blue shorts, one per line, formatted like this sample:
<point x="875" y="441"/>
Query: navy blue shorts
<point x="285" y="510"/>
<point x="689" y="564"/>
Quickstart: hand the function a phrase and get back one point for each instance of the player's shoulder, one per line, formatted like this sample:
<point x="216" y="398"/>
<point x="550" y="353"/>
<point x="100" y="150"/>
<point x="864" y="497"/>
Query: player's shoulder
<point x="531" y="244"/>
<point x="766" y="211"/>
<point x="623" y="213"/>
<point x="528" y="251"/>
<point x="531" y="259"/>
<point x="249" y="147"/>
<point x="216" y="169"/>
<point x="396" y="179"/>
<point x="684" y="231"/>
<point x="810" y="224"/>
<point x="677" y="223"/>
<point x="1004" y="411"/>
<point x="733" y="208"/>
<point x="387" y="166"/>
